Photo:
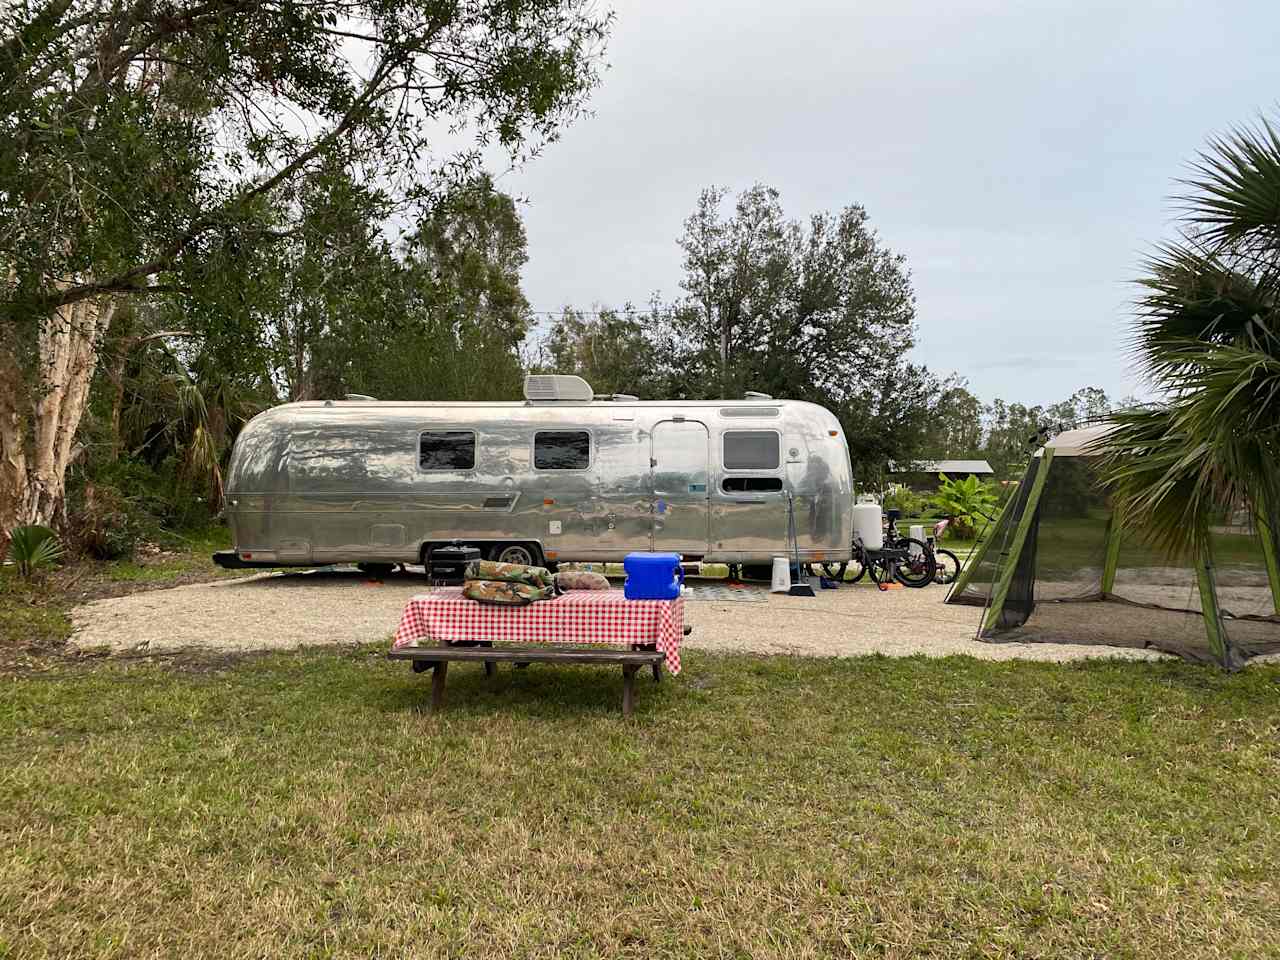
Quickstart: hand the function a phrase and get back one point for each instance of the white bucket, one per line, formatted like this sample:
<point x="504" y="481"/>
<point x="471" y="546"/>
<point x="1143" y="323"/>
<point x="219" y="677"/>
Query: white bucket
<point x="781" y="575"/>
<point x="917" y="533"/>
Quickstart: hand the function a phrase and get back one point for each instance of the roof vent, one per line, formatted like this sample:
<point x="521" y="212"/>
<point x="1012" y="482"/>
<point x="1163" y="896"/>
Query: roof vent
<point x="358" y="396"/>
<point x="620" y="397"/>
<point x="755" y="395"/>
<point x="545" y="387"/>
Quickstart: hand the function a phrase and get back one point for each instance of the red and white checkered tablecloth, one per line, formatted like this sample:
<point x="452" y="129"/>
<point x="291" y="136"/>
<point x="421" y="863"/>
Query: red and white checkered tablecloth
<point x="580" y="616"/>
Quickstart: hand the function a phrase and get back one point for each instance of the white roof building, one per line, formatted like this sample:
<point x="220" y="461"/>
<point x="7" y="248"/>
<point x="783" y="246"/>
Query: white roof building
<point x="965" y="467"/>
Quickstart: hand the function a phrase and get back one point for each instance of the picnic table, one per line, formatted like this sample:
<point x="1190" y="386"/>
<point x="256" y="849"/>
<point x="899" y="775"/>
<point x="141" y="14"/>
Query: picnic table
<point x="443" y="625"/>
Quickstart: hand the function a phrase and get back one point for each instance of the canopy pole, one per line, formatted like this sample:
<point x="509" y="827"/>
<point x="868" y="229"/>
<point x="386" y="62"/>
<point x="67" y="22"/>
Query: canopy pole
<point x="1019" y="541"/>
<point x="1114" y="525"/>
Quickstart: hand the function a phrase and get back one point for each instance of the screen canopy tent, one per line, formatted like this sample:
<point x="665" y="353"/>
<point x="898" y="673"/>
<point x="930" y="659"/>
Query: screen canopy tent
<point x="1060" y="566"/>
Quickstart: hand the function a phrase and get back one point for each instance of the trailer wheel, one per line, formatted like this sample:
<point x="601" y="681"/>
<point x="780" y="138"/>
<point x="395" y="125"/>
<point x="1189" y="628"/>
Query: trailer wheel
<point x="522" y="553"/>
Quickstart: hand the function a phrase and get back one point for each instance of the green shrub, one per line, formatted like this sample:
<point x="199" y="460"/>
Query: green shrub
<point x="903" y="499"/>
<point x="968" y="503"/>
<point x="154" y="494"/>
<point x="106" y="524"/>
<point x="33" y="548"/>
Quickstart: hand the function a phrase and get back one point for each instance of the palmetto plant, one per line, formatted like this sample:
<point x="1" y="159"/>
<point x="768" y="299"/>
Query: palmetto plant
<point x="1208" y="339"/>
<point x="33" y="548"/>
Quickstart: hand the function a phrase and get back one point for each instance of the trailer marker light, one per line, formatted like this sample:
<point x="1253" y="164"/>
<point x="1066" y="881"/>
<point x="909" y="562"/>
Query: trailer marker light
<point x="548" y="503"/>
<point x="834" y="433"/>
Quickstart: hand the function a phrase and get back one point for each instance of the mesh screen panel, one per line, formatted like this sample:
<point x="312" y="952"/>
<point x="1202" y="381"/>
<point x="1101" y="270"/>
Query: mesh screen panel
<point x="1072" y="542"/>
<point x="1056" y="590"/>
<point x="977" y="589"/>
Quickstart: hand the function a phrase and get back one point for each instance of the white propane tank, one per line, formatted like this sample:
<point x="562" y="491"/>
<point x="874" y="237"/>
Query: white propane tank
<point x="917" y="533"/>
<point x="867" y="525"/>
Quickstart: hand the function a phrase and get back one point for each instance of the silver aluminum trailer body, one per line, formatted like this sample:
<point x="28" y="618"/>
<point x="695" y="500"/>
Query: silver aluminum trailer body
<point x="378" y="482"/>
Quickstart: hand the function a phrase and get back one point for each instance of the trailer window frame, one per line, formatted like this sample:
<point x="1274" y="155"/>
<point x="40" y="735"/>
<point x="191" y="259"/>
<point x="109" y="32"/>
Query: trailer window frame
<point x="724" y="438"/>
<point x="475" y="449"/>
<point x="533" y="451"/>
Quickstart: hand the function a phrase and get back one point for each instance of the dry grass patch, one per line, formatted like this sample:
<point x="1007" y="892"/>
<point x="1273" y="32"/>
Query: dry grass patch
<point x="306" y="805"/>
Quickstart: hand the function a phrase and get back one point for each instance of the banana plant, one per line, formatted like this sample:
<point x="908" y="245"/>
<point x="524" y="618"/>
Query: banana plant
<point x="964" y="501"/>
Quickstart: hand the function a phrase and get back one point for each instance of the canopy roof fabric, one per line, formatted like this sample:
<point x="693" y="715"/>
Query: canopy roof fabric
<point x="1077" y="443"/>
<point x="1058" y="549"/>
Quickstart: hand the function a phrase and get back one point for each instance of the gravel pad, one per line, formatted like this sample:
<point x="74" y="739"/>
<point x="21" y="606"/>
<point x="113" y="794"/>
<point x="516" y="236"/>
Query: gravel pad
<point x="285" y="611"/>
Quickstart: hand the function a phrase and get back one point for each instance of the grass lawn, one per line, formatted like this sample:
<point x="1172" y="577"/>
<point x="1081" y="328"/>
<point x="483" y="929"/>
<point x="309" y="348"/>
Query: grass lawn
<point x="306" y="805"/>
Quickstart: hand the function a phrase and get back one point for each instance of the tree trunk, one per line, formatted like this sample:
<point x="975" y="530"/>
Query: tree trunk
<point x="38" y="430"/>
<point x="115" y="373"/>
<point x="13" y="448"/>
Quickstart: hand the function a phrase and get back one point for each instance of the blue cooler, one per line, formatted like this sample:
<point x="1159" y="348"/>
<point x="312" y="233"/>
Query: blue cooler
<point x="652" y="576"/>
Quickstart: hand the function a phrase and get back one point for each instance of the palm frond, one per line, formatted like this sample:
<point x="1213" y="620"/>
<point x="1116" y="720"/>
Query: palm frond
<point x="1211" y="448"/>
<point x="1192" y="298"/>
<point x="1208" y="337"/>
<point x="1236" y="184"/>
<point x="1161" y="481"/>
<point x="33" y="548"/>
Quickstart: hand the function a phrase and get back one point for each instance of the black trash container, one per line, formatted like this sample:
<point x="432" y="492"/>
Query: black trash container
<point x="447" y="565"/>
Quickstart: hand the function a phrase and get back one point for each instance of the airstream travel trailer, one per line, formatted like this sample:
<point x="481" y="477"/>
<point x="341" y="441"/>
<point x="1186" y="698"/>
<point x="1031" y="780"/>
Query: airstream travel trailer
<point x="562" y="476"/>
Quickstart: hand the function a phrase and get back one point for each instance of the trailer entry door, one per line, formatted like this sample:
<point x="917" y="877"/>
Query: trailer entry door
<point x="680" y="503"/>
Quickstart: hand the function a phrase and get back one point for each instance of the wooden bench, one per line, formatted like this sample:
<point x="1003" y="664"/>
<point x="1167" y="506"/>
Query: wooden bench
<point x="437" y="660"/>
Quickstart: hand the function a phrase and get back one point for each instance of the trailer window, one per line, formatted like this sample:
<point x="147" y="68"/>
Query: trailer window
<point x="751" y="450"/>
<point x="562" y="450"/>
<point x="447" y="450"/>
<point x="751" y="485"/>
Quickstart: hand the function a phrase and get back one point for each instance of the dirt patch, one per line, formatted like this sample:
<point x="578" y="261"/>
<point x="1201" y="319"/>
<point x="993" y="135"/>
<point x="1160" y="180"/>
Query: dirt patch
<point x="286" y="611"/>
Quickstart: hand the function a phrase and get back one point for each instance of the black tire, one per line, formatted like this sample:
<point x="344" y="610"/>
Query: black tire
<point x="832" y="571"/>
<point x="848" y="572"/>
<point x="376" y="569"/>
<point x="523" y="553"/>
<point x="920" y="567"/>
<point x="948" y="567"/>
<point x="858" y="568"/>
<point x="757" y="571"/>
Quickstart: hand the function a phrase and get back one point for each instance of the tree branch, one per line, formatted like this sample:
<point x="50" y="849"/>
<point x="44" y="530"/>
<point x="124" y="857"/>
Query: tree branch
<point x="127" y="282"/>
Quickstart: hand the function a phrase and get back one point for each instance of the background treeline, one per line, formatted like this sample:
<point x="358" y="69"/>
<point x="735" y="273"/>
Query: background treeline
<point x="815" y="310"/>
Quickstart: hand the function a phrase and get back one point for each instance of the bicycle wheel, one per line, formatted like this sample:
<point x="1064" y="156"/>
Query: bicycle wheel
<point x="857" y="567"/>
<point x="850" y="572"/>
<point x="832" y="571"/>
<point x="948" y="567"/>
<point x="919" y="568"/>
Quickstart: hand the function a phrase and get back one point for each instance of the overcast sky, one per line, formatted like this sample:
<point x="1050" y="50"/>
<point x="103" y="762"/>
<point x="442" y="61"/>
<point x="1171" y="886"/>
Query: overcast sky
<point x="1020" y="153"/>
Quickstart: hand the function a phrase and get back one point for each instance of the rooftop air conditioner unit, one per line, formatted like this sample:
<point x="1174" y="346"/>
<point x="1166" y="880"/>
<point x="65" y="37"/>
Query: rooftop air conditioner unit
<point x="541" y="388"/>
